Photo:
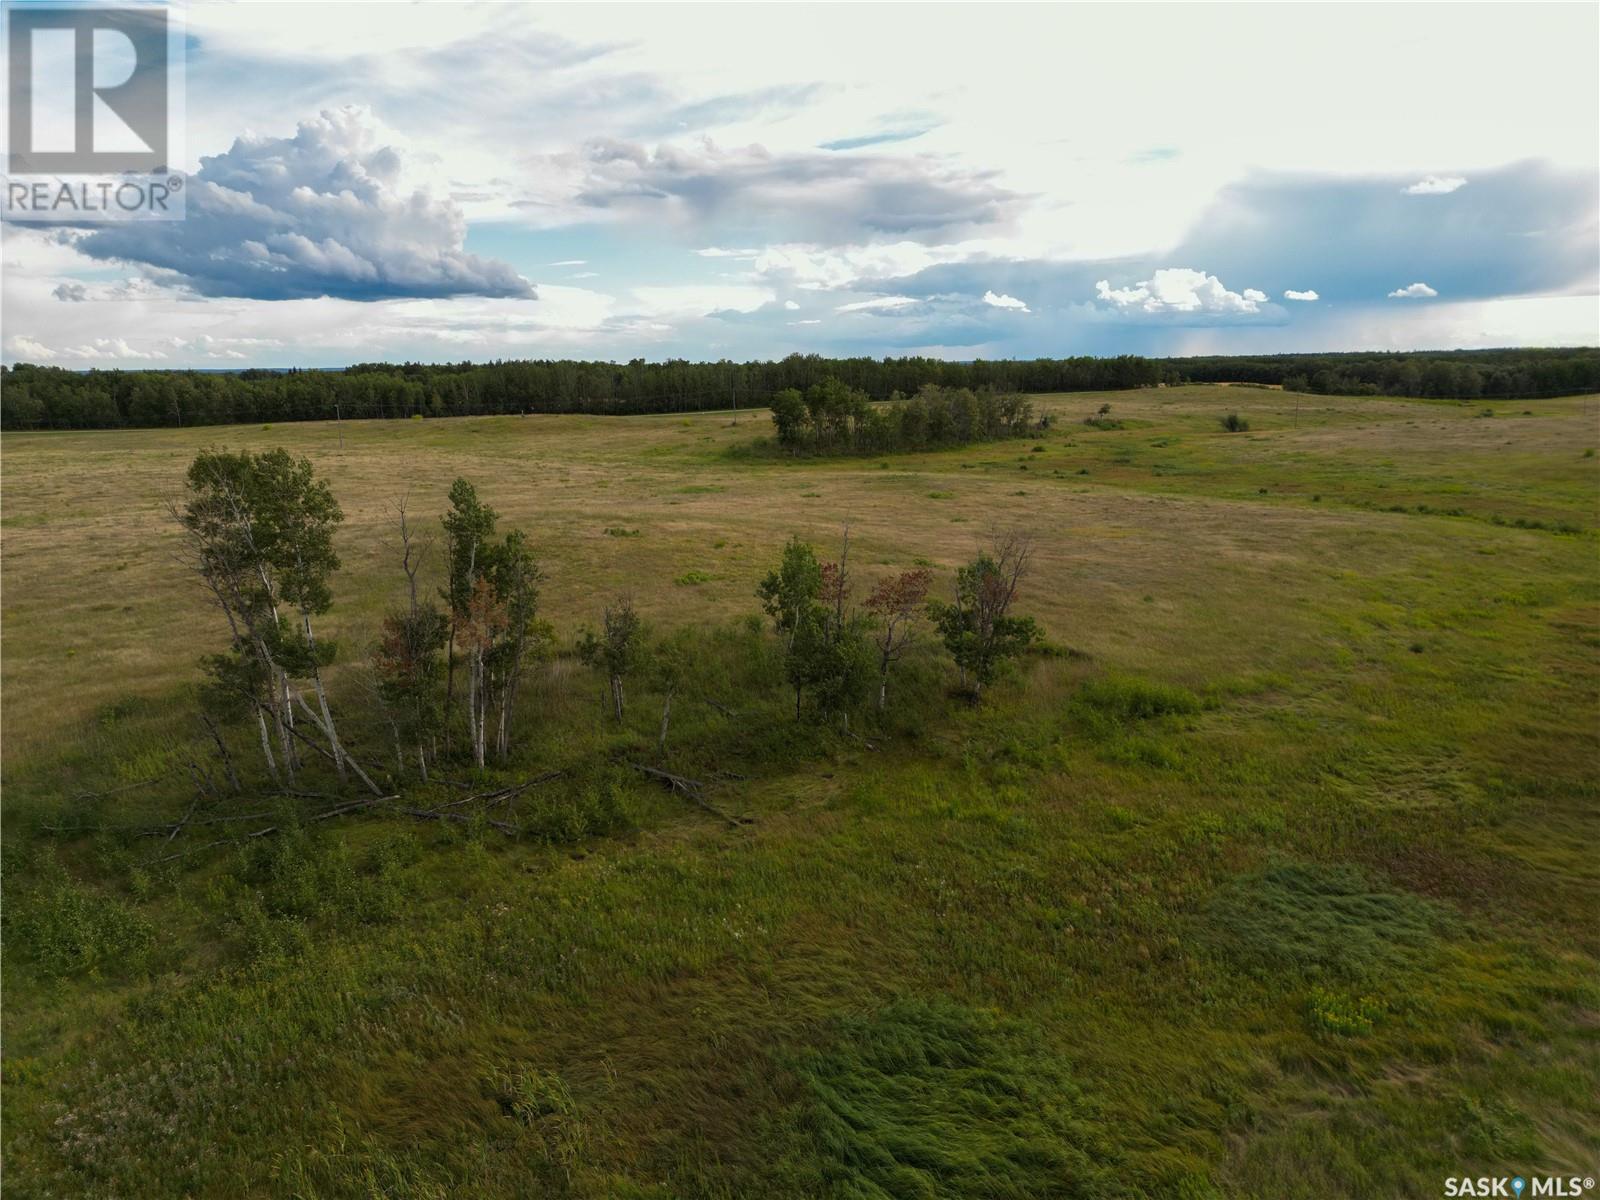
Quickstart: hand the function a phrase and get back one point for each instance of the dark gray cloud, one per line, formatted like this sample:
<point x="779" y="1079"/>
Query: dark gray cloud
<point x="1518" y="230"/>
<point x="753" y="194"/>
<point x="1515" y="230"/>
<point x="322" y="213"/>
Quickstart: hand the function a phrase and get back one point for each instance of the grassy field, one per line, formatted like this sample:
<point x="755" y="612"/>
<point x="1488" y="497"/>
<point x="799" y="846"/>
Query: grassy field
<point x="1275" y="878"/>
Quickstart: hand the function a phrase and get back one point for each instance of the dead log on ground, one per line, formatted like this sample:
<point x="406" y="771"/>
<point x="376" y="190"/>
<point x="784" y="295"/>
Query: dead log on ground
<point x="691" y="789"/>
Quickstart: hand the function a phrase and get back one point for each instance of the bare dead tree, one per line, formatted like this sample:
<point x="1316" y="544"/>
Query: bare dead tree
<point x="413" y="546"/>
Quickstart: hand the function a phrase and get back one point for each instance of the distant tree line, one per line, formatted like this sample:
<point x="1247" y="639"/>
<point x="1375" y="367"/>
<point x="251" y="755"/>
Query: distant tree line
<point x="832" y="417"/>
<point x="445" y="672"/>
<point x="1458" y="375"/>
<point x="33" y="397"/>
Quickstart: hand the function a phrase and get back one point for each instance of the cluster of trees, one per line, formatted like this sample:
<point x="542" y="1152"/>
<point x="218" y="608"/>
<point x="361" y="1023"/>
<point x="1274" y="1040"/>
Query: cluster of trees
<point x="832" y="416"/>
<point x="259" y="534"/>
<point x="447" y="669"/>
<point x="1462" y="374"/>
<point x="38" y="397"/>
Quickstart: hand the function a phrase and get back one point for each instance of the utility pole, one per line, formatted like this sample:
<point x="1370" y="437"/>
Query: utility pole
<point x="338" y="419"/>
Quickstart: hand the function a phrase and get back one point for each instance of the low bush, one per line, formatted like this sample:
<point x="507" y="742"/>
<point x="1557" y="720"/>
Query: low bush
<point x="65" y="929"/>
<point x="1337" y="1014"/>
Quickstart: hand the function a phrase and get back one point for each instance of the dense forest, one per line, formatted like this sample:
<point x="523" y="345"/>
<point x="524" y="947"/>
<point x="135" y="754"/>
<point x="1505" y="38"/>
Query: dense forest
<point x="53" y="398"/>
<point x="33" y="397"/>
<point x="832" y="418"/>
<point x="1461" y="375"/>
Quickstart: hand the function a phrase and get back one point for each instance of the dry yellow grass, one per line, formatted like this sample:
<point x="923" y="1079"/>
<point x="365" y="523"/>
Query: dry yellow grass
<point x="1175" y="523"/>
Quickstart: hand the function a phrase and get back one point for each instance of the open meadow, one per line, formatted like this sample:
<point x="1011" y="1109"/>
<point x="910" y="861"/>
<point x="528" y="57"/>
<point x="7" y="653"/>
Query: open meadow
<point x="1272" y="874"/>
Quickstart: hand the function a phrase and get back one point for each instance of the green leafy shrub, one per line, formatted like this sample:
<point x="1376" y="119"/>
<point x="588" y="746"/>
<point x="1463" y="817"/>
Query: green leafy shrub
<point x="569" y="815"/>
<point x="1340" y="1015"/>
<point x="301" y="876"/>
<point x="66" y="929"/>
<point x="1234" y="423"/>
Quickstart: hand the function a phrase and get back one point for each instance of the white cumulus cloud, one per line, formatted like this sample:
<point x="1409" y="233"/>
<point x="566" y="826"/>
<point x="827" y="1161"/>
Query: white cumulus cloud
<point x="25" y="349"/>
<point x="1435" y="185"/>
<point x="1413" y="292"/>
<point x="327" y="212"/>
<point x="1003" y="301"/>
<point x="1180" y="290"/>
<point x="1291" y="294"/>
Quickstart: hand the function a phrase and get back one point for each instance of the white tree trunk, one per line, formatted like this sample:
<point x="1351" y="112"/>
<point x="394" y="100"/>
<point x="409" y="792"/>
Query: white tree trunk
<point x="266" y="746"/>
<point x="502" y="741"/>
<point x="322" y="700"/>
<point x="479" y="704"/>
<point x="283" y="711"/>
<point x="666" y="715"/>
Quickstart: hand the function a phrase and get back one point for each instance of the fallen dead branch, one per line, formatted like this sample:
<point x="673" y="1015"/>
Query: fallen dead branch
<point x="691" y="789"/>
<point x="127" y="787"/>
<point x="336" y="811"/>
<point x="178" y="825"/>
<point x="502" y="795"/>
<point x="170" y="830"/>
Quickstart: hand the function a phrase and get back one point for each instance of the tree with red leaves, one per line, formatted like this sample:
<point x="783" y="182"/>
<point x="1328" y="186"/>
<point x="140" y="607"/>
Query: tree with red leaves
<point x="897" y="603"/>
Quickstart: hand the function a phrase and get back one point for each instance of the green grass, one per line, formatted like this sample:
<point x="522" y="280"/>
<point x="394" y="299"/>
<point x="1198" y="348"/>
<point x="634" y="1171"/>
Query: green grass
<point x="1272" y="877"/>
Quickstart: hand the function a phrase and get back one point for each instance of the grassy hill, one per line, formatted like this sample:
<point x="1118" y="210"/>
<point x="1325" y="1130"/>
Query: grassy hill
<point x="1273" y="877"/>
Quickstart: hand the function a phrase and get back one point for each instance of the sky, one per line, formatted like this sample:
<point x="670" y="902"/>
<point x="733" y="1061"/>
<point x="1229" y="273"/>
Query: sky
<point x="446" y="182"/>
